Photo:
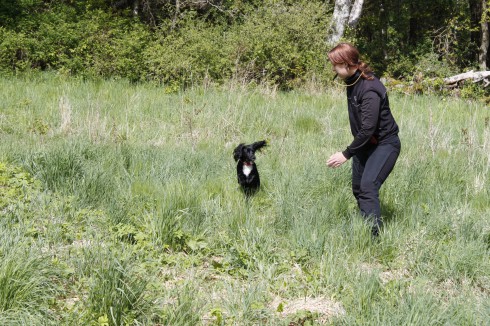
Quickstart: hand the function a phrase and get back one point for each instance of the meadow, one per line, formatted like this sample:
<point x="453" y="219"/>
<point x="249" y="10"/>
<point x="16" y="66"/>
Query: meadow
<point x="119" y="206"/>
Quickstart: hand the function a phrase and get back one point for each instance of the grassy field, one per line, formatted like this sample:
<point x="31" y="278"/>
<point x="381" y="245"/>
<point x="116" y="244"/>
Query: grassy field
<point x="119" y="206"/>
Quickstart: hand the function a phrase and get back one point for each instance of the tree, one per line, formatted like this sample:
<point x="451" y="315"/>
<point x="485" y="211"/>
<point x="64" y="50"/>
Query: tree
<point x="155" y="12"/>
<point x="346" y="13"/>
<point x="485" y="38"/>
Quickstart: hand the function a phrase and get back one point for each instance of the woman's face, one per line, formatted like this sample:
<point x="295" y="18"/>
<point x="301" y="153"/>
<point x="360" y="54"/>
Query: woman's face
<point x="343" y="70"/>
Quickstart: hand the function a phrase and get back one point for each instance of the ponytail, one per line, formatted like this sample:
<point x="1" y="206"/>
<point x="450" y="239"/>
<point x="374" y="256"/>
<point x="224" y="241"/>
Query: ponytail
<point x="367" y="72"/>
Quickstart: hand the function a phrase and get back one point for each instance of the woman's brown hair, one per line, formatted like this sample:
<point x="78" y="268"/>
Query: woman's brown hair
<point x="347" y="53"/>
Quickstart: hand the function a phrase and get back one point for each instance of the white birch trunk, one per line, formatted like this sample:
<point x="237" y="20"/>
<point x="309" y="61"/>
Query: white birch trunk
<point x="355" y="13"/>
<point x="339" y="20"/>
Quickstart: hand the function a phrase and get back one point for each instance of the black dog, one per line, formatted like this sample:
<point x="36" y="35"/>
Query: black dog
<point x="247" y="173"/>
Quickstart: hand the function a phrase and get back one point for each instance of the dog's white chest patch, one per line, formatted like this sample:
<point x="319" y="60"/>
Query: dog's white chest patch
<point x="247" y="169"/>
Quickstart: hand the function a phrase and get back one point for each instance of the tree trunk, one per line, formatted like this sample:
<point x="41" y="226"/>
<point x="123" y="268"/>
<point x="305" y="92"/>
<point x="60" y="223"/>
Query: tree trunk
<point x="355" y="13"/>
<point x="345" y="13"/>
<point x="476" y="13"/>
<point x="176" y="14"/>
<point x="340" y="18"/>
<point x="485" y="40"/>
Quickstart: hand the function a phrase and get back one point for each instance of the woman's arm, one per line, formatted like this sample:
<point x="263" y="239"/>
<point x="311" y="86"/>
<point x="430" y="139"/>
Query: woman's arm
<point x="369" y="122"/>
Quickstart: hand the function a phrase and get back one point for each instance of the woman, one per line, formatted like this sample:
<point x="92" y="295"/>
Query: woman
<point x="376" y="145"/>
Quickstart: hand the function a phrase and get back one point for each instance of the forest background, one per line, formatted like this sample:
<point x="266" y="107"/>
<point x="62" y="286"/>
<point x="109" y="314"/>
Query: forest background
<point x="179" y="43"/>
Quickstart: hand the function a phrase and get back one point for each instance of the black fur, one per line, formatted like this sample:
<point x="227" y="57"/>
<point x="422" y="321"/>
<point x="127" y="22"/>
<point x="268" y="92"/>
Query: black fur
<point x="245" y="155"/>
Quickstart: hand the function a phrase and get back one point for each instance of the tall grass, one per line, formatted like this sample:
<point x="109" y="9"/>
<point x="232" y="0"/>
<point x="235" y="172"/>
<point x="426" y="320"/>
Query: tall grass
<point x="140" y="212"/>
<point x="28" y="282"/>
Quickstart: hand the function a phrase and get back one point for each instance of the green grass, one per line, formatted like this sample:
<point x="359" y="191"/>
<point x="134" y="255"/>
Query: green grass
<point x="119" y="205"/>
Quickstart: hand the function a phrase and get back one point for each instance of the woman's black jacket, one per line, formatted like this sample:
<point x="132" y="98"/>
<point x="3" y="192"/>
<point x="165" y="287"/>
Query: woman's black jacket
<point x="370" y="117"/>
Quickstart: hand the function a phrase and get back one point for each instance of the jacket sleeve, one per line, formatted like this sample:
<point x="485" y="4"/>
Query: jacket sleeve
<point x="370" y="104"/>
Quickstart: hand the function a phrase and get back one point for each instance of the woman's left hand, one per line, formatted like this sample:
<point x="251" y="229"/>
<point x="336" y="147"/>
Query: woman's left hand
<point x="336" y="160"/>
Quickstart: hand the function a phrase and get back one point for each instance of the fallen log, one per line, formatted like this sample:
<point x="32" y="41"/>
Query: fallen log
<point x="476" y="76"/>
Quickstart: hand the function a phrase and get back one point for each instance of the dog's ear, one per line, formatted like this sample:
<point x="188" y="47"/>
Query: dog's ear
<point x="237" y="153"/>
<point x="259" y="144"/>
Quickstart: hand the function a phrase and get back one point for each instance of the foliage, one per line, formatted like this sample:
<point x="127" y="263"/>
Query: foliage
<point x="275" y="43"/>
<point x="283" y="45"/>
<point x="278" y="44"/>
<point x="392" y="30"/>
<point x="190" y="55"/>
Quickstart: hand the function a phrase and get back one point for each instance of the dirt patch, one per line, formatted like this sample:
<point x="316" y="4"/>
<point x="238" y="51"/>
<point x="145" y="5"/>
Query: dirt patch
<point x="324" y="307"/>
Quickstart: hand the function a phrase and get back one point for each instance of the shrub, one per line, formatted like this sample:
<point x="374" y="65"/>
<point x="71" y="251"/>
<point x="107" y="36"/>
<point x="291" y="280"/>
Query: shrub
<point x="283" y="44"/>
<point x="13" y="53"/>
<point x="188" y="55"/>
<point x="277" y="44"/>
<point x="109" y="47"/>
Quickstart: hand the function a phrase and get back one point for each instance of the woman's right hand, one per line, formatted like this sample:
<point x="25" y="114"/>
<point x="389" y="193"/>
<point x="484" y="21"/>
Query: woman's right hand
<point x="336" y="160"/>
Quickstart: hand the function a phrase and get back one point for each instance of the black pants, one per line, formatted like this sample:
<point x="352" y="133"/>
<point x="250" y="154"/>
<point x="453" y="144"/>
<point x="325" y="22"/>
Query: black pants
<point x="370" y="168"/>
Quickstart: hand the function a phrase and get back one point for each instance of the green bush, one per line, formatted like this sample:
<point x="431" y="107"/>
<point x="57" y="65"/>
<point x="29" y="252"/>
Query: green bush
<point x="109" y="47"/>
<point x="13" y="54"/>
<point x="188" y="55"/>
<point x="94" y="43"/>
<point x="277" y="44"/>
<point x="283" y="44"/>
